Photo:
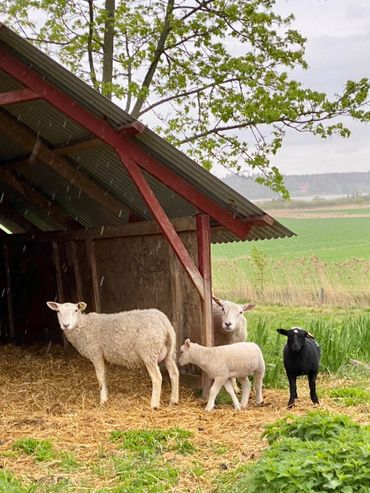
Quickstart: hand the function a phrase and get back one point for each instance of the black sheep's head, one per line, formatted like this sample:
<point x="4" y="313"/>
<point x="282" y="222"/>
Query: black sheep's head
<point x="296" y="338"/>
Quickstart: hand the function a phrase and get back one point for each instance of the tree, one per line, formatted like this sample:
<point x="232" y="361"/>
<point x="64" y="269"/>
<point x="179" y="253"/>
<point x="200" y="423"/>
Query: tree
<point x="211" y="76"/>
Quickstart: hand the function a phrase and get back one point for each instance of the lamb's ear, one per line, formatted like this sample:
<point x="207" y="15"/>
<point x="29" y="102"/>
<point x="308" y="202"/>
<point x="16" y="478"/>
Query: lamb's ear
<point x="187" y="342"/>
<point x="81" y="305"/>
<point x="283" y="332"/>
<point x="308" y="335"/>
<point x="52" y="305"/>
<point x="248" y="307"/>
<point x="217" y="301"/>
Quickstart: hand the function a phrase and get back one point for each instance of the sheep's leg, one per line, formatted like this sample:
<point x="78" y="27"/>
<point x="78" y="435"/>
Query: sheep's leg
<point x="246" y="389"/>
<point x="235" y="385"/>
<point x="173" y="372"/>
<point x="230" y="390"/>
<point x="292" y="389"/>
<point x="215" y="389"/>
<point x="99" y="366"/>
<point x="312" y="384"/>
<point x="156" y="377"/>
<point x="258" y="377"/>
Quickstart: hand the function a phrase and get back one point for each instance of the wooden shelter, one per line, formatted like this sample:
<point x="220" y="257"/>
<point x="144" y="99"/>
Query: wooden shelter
<point x="100" y="208"/>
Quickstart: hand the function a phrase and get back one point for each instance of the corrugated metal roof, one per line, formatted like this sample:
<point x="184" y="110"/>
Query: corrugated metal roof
<point x="100" y="163"/>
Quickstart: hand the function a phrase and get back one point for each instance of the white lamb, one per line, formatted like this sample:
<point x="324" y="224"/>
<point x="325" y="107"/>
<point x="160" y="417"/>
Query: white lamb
<point x="127" y="339"/>
<point x="222" y="363"/>
<point x="229" y="324"/>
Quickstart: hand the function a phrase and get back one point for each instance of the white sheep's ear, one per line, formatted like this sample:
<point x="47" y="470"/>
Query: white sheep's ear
<point x="217" y="301"/>
<point x="187" y="343"/>
<point x="248" y="307"/>
<point x="81" y="305"/>
<point x="283" y="332"/>
<point x="308" y="335"/>
<point x="53" y="305"/>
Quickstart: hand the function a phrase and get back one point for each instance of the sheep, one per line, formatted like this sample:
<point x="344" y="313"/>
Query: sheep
<point x="129" y="339"/>
<point x="221" y="363"/>
<point x="229" y="324"/>
<point x="301" y="357"/>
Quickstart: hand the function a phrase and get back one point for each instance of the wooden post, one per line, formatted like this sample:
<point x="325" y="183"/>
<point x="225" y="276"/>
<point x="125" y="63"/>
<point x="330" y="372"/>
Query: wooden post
<point x="176" y="292"/>
<point x="76" y="269"/>
<point x="60" y="291"/>
<point x="94" y="273"/>
<point x="58" y="272"/>
<point x="204" y="264"/>
<point x="9" y="298"/>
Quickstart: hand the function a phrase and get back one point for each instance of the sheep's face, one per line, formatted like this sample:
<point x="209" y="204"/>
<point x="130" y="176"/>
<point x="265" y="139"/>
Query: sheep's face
<point x="232" y="315"/>
<point x="184" y="358"/>
<point x="68" y="313"/>
<point x="296" y="338"/>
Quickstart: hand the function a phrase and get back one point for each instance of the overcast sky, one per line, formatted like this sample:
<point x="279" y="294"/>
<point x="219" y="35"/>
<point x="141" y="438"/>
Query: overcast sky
<point x="338" y="49"/>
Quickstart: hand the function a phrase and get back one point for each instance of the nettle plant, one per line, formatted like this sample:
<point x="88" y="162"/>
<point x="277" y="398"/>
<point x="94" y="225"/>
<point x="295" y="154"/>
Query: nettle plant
<point x="318" y="452"/>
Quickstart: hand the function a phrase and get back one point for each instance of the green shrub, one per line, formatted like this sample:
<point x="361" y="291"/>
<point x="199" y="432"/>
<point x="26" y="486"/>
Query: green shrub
<point x="315" y="425"/>
<point x="318" y="452"/>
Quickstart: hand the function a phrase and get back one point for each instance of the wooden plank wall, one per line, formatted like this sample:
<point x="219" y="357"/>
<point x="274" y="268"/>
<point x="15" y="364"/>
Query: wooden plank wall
<point x="109" y="273"/>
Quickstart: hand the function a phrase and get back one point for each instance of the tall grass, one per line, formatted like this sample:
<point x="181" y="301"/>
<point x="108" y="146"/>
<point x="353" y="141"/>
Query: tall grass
<point x="306" y="281"/>
<point x="339" y="342"/>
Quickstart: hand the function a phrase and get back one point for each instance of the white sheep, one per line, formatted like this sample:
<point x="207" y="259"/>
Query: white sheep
<point x="127" y="339"/>
<point x="222" y="363"/>
<point x="229" y="323"/>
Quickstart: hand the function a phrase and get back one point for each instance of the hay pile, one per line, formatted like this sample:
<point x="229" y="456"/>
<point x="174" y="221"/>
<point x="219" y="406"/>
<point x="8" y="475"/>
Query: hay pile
<point x="51" y="395"/>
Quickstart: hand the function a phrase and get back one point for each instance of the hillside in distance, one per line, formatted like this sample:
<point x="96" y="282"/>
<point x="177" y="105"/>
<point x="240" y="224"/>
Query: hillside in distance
<point x="299" y="186"/>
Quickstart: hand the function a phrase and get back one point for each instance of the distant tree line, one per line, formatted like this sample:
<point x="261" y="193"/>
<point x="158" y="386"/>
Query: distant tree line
<point x="346" y="184"/>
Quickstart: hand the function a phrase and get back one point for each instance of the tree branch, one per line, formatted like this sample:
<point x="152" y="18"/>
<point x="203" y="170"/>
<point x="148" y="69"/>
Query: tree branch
<point x="157" y="55"/>
<point x="93" y="77"/>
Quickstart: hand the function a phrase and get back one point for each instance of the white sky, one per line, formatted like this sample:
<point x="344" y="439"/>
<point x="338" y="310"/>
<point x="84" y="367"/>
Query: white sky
<point x="337" y="49"/>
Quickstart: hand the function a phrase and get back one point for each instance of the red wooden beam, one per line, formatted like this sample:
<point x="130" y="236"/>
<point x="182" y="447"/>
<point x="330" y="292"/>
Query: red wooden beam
<point x="20" y="96"/>
<point x="163" y="221"/>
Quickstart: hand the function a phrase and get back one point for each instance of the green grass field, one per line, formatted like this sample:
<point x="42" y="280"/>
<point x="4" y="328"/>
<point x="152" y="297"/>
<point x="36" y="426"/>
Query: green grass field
<point x="327" y="262"/>
<point x="329" y="239"/>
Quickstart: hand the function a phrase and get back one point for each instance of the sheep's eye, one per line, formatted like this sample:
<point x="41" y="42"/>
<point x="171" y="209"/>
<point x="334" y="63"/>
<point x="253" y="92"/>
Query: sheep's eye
<point x="241" y="313"/>
<point x="223" y="309"/>
<point x="76" y="310"/>
<point x="181" y="352"/>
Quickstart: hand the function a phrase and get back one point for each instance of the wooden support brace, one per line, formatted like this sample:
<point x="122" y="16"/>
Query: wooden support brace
<point x="20" y="96"/>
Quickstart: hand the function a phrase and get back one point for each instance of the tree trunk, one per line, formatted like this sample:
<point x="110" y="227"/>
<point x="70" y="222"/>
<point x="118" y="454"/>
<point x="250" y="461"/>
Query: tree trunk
<point x="108" y="48"/>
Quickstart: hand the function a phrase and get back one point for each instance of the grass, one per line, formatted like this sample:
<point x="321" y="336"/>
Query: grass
<point x="136" y="464"/>
<point x="350" y="396"/>
<point x="328" y="262"/>
<point x="330" y="239"/>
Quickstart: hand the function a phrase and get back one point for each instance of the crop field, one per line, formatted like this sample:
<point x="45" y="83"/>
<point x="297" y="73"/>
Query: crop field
<point x="327" y="262"/>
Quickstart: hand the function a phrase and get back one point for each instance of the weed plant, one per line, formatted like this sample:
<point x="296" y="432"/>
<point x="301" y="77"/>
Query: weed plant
<point x="318" y="452"/>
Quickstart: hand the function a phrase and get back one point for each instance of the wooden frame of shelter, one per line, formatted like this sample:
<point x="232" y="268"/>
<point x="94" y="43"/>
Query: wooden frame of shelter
<point x="137" y="161"/>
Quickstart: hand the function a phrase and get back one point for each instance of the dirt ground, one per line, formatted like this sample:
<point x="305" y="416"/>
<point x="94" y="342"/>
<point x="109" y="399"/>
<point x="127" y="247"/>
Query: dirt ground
<point x="54" y="396"/>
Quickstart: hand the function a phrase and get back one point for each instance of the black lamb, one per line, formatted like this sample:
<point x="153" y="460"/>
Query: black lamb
<point x="301" y="357"/>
